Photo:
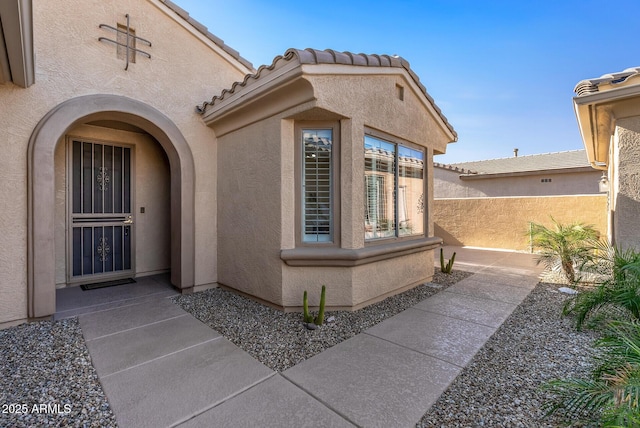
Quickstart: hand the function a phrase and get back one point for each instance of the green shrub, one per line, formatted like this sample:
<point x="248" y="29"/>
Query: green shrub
<point x="611" y="395"/>
<point x="617" y="293"/>
<point x="564" y="244"/>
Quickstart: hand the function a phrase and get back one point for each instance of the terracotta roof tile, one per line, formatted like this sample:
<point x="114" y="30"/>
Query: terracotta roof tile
<point x="453" y="168"/>
<point x="328" y="56"/>
<point x="590" y="86"/>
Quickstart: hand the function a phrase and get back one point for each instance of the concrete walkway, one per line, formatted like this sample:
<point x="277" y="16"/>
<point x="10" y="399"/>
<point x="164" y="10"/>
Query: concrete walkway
<point x="159" y="366"/>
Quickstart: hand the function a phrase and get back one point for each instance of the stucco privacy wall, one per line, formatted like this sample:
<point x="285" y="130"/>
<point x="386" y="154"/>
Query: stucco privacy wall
<point x="504" y="222"/>
<point x="71" y="62"/>
<point x="626" y="195"/>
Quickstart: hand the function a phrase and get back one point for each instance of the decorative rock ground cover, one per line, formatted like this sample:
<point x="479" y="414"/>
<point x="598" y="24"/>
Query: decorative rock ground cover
<point x="280" y="340"/>
<point x="47" y="378"/>
<point x="48" y="362"/>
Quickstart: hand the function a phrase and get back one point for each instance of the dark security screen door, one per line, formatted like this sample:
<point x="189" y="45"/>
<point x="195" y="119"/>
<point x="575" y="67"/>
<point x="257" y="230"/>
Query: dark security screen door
<point x="101" y="230"/>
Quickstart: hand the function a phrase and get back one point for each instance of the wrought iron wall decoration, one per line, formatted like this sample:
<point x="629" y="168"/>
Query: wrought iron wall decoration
<point x="130" y="40"/>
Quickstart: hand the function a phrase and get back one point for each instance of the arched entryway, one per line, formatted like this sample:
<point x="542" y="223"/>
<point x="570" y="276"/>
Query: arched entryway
<point x="41" y="170"/>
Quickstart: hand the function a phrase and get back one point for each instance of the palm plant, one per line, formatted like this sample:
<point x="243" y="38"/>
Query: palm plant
<point x="618" y="295"/>
<point x="612" y="393"/>
<point x="565" y="244"/>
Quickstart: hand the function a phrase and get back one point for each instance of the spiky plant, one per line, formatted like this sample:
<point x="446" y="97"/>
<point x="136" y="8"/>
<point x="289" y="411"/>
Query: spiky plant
<point x="611" y="395"/>
<point x="319" y="320"/>
<point x="305" y="309"/>
<point x="566" y="244"/>
<point x="617" y="293"/>
<point x="449" y="266"/>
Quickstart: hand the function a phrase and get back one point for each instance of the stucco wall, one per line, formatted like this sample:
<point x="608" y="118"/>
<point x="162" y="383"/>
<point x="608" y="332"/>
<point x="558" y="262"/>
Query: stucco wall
<point x="256" y="186"/>
<point x="249" y="225"/>
<point x="358" y="286"/>
<point x="70" y="62"/>
<point x="626" y="183"/>
<point x="447" y="184"/>
<point x="504" y="222"/>
<point x="373" y="100"/>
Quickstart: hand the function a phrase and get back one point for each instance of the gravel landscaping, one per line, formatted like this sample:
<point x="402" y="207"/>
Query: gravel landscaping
<point x="279" y="340"/>
<point x="48" y="362"/>
<point x="47" y="378"/>
<point x="501" y="385"/>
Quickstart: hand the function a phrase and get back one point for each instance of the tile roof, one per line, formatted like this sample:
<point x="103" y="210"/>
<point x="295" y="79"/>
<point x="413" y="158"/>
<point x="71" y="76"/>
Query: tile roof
<point x="528" y="163"/>
<point x="203" y="29"/>
<point x="590" y="86"/>
<point x="328" y="56"/>
<point x="454" y="168"/>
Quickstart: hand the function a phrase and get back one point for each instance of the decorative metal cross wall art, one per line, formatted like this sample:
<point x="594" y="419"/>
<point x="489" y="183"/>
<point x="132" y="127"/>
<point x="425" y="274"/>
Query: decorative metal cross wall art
<point x="129" y="39"/>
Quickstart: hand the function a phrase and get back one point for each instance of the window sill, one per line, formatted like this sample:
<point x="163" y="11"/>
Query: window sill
<point x="342" y="257"/>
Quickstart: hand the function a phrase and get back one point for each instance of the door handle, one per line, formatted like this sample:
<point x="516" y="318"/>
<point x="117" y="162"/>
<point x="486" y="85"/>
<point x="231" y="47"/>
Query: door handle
<point x="129" y="220"/>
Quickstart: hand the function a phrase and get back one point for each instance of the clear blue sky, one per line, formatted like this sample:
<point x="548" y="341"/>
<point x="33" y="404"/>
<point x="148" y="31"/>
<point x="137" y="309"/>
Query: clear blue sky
<point x="502" y="72"/>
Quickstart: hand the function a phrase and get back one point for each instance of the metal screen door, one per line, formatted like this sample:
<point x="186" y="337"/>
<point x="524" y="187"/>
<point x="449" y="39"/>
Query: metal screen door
<point x="101" y="222"/>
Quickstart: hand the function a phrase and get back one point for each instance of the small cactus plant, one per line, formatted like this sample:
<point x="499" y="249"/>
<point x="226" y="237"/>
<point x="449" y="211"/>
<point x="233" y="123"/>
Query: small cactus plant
<point x="305" y="307"/>
<point x="449" y="266"/>
<point x="320" y="318"/>
<point x="306" y="316"/>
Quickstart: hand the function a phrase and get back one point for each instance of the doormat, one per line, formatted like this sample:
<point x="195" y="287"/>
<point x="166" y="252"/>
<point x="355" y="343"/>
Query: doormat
<point x="105" y="284"/>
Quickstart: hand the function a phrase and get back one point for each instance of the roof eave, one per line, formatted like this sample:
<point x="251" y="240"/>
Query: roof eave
<point x="16" y="43"/>
<point x="596" y="121"/>
<point x="484" y="176"/>
<point x="232" y="101"/>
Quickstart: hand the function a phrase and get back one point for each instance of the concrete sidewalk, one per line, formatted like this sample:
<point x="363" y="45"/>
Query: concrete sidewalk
<point x="159" y="366"/>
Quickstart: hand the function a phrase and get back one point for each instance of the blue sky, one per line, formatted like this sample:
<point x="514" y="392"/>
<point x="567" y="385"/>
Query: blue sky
<point x="502" y="72"/>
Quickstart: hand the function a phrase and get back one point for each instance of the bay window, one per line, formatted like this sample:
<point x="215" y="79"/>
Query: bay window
<point x="394" y="189"/>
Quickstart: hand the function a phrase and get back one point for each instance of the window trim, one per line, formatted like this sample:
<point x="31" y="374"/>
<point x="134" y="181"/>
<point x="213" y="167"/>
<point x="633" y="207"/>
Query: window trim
<point x="369" y="132"/>
<point x="299" y="127"/>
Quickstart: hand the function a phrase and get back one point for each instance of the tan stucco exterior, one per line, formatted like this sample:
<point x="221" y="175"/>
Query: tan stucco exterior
<point x="608" y="113"/>
<point x="214" y="185"/>
<point x="625" y="183"/>
<point x="73" y="65"/>
<point x="503" y="222"/>
<point x="259" y="251"/>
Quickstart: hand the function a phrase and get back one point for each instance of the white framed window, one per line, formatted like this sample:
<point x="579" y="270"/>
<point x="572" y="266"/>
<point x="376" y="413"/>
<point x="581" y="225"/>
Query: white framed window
<point x="394" y="189"/>
<point x="317" y="185"/>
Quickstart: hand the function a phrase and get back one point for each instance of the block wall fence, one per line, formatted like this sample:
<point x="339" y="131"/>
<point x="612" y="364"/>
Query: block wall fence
<point x="503" y="222"/>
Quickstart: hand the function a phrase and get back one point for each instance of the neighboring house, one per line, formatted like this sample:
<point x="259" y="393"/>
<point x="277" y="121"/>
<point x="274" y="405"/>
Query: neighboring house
<point x="545" y="174"/>
<point x="113" y="167"/>
<point x="608" y="113"/>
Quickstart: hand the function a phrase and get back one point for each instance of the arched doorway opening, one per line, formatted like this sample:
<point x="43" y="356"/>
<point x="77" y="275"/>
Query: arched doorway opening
<point x="52" y="131"/>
